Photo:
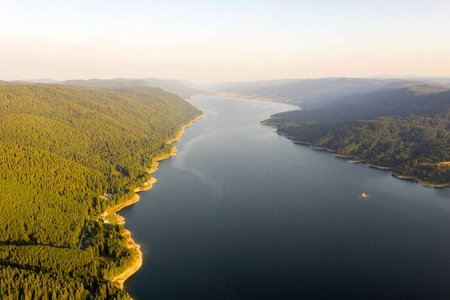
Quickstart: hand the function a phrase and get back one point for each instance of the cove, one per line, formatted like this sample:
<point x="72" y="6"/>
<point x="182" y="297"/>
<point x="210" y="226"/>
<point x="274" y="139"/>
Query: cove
<point x="243" y="213"/>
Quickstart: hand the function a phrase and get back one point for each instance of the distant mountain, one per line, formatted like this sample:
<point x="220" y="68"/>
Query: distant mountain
<point x="247" y="87"/>
<point x="436" y="80"/>
<point x="304" y="92"/>
<point x="403" y="100"/>
<point x="314" y="93"/>
<point x="183" y="89"/>
<point x="40" y="80"/>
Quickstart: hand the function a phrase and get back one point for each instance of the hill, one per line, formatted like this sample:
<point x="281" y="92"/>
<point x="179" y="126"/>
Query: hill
<point x="404" y="128"/>
<point x="67" y="154"/>
<point x="307" y="93"/>
<point x="183" y="89"/>
<point x="40" y="80"/>
<point x="316" y="93"/>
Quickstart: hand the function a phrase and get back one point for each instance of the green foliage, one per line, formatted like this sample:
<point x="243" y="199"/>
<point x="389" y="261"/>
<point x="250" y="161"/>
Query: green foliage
<point x="61" y="148"/>
<point x="22" y="283"/>
<point x="305" y="131"/>
<point x="71" y="260"/>
<point x="413" y="145"/>
<point x="43" y="272"/>
<point x="107" y="131"/>
<point x="30" y="215"/>
<point x="108" y="241"/>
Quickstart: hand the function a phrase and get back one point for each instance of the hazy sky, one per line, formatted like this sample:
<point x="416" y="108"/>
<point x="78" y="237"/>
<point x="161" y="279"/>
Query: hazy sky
<point x="223" y="40"/>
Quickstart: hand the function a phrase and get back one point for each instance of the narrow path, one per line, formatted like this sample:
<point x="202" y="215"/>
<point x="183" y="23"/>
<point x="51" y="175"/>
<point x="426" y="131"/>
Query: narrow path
<point x="82" y="236"/>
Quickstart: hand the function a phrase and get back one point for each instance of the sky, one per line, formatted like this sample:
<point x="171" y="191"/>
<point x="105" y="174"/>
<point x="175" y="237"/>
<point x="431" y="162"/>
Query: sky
<point x="212" y="41"/>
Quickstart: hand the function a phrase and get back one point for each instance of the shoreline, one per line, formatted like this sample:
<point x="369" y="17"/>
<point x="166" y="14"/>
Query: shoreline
<point x="322" y="149"/>
<point x="120" y="278"/>
<point x="423" y="183"/>
<point x="248" y="97"/>
<point x="180" y="133"/>
<point x="254" y="98"/>
<point x="353" y="160"/>
<point x="379" y="167"/>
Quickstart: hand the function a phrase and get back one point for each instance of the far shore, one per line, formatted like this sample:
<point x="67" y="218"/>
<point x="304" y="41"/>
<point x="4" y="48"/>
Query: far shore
<point x="248" y="97"/>
<point x="120" y="279"/>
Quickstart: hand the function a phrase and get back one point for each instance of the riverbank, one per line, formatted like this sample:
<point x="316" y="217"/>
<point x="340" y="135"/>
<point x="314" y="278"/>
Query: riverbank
<point x="120" y="279"/>
<point x="182" y="131"/>
<point x="424" y="183"/>
<point x="155" y="163"/>
<point x="353" y="160"/>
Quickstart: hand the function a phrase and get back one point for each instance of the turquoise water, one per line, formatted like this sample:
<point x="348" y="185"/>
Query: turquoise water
<point x="243" y="213"/>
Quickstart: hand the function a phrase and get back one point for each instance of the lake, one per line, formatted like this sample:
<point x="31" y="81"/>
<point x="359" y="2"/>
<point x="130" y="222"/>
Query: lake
<point x="243" y="213"/>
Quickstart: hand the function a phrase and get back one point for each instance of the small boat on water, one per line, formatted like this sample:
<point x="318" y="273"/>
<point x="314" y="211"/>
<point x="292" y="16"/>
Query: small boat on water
<point x="363" y="195"/>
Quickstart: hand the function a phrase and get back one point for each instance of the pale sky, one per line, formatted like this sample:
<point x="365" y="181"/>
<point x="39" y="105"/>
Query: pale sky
<point x="207" y="41"/>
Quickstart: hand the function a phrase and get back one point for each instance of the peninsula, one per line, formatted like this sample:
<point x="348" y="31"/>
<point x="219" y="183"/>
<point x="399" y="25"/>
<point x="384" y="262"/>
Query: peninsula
<point x="403" y="128"/>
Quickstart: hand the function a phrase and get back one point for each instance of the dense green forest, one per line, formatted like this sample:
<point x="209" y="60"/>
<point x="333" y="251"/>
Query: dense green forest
<point x="406" y="129"/>
<point x="61" y="149"/>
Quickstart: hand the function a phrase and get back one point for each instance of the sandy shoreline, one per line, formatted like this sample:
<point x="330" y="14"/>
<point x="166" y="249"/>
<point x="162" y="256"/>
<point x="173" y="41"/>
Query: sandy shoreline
<point x="182" y="130"/>
<point x="120" y="279"/>
<point x="344" y="156"/>
<point x="302" y="143"/>
<point x="137" y="263"/>
<point x="379" y="167"/>
<point x="322" y="149"/>
<point x="148" y="185"/>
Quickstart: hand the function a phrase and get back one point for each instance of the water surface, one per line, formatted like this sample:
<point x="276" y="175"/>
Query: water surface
<point x="243" y="213"/>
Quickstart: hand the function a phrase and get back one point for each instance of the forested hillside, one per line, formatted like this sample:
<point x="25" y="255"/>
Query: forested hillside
<point x="406" y="129"/>
<point x="181" y="88"/>
<point x="61" y="149"/>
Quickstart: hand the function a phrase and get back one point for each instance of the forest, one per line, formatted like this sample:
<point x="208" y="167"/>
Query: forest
<point x="62" y="148"/>
<point x="405" y="129"/>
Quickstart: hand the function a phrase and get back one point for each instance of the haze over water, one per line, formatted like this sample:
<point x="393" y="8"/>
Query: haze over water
<point x="243" y="213"/>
